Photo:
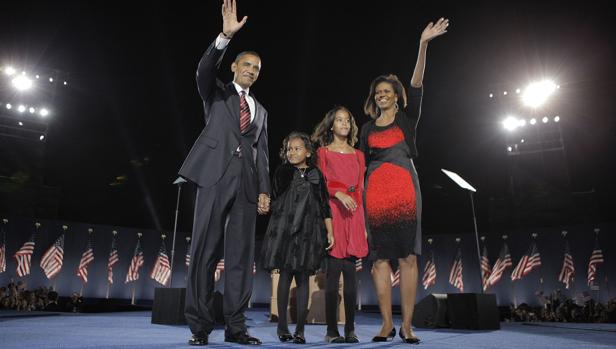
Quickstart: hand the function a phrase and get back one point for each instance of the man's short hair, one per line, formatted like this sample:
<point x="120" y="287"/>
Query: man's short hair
<point x="244" y="53"/>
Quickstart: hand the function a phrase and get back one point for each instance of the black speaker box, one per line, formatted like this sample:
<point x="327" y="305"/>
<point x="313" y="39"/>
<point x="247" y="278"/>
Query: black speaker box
<point x="168" y="307"/>
<point x="473" y="311"/>
<point x="431" y="312"/>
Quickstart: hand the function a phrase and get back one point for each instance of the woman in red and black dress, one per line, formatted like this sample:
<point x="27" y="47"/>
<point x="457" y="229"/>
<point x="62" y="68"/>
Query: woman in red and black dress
<point x="392" y="197"/>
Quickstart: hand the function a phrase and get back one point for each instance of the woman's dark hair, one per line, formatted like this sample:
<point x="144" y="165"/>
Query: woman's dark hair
<point x="323" y="134"/>
<point x="311" y="160"/>
<point x="370" y="107"/>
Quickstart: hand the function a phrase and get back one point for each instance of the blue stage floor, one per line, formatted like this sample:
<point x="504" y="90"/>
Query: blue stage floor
<point x="132" y="330"/>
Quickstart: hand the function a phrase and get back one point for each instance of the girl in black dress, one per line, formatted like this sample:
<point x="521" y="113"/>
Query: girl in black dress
<point x="300" y="229"/>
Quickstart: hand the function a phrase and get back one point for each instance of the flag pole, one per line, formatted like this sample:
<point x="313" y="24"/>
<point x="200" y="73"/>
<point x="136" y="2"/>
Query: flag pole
<point x="132" y="302"/>
<point x="540" y="267"/>
<point x="358" y="294"/>
<point x="187" y="265"/>
<point x="179" y="182"/>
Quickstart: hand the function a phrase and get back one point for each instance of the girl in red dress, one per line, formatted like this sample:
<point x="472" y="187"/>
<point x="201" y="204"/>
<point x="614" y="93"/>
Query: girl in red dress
<point x="343" y="168"/>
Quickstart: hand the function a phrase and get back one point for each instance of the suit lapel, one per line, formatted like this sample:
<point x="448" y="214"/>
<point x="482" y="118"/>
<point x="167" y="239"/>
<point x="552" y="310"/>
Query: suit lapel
<point x="232" y="101"/>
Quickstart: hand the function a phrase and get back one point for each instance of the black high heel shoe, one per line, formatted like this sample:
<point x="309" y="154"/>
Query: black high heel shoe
<point x="409" y="340"/>
<point x="389" y="337"/>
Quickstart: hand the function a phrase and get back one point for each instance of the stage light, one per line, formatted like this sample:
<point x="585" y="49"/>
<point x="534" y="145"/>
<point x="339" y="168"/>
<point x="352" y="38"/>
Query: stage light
<point x="44" y="112"/>
<point x="42" y="137"/>
<point x="21" y="123"/>
<point x="50" y="79"/>
<point x="517" y="91"/>
<point x="21" y="108"/>
<point x="522" y="140"/>
<point x="537" y="93"/>
<point x="509" y="149"/>
<point x="533" y="121"/>
<point x="22" y="83"/>
<point x="545" y="119"/>
<point x="505" y="93"/>
<point x="511" y="123"/>
<point x="9" y="70"/>
<point x="9" y="106"/>
<point x="556" y="118"/>
<point x="65" y="83"/>
<point x="31" y="110"/>
<point x="491" y="95"/>
<point x="522" y="122"/>
<point x="37" y="76"/>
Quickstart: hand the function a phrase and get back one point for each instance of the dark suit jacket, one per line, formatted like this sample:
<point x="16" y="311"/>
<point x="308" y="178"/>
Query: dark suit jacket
<point x="210" y="155"/>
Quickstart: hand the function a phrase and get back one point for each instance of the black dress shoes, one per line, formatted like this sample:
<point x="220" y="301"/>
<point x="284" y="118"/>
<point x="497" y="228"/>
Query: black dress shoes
<point x="351" y="337"/>
<point x="409" y="340"/>
<point x="285" y="336"/>
<point x="298" y="338"/>
<point x="198" y="340"/>
<point x="389" y="337"/>
<point x="242" y="338"/>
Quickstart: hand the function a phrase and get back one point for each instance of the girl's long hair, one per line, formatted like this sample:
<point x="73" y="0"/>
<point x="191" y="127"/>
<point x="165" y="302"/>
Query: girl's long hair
<point x="323" y="134"/>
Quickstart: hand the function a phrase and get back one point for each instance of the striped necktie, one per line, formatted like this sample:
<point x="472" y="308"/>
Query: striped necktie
<point x="244" y="112"/>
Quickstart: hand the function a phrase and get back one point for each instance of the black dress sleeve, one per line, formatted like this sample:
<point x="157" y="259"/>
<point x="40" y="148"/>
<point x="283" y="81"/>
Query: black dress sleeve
<point x="413" y="110"/>
<point x="363" y="140"/>
<point x="323" y="196"/>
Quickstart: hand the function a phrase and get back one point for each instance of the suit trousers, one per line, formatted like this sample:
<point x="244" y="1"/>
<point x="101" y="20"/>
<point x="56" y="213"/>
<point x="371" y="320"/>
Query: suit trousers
<point x="224" y="224"/>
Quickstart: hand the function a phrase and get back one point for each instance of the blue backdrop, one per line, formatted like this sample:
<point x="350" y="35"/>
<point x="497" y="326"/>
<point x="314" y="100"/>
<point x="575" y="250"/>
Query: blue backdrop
<point x="549" y="242"/>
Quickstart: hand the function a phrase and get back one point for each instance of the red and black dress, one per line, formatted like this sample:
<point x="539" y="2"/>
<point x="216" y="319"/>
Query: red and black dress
<point x="392" y="194"/>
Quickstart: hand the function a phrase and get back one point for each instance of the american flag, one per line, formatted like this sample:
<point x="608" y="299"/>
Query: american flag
<point x="486" y="268"/>
<point x="527" y="263"/>
<point x="359" y="265"/>
<point x="395" y="278"/>
<point x="187" y="259"/>
<point x="162" y="269"/>
<point x="455" y="275"/>
<point x="51" y="262"/>
<point x="24" y="257"/>
<point x="3" y="252"/>
<point x="220" y="267"/>
<point x="86" y="258"/>
<point x="502" y="263"/>
<point x="567" y="272"/>
<point x="113" y="259"/>
<point x="595" y="258"/>
<point x="429" y="275"/>
<point x="135" y="263"/>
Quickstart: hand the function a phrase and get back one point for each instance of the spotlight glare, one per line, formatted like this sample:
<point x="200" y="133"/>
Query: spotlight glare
<point x="522" y="122"/>
<point x="556" y="118"/>
<point x="38" y="76"/>
<point x="491" y="95"/>
<point x="22" y="83"/>
<point x="9" y="106"/>
<point x="511" y="123"/>
<point x="537" y="93"/>
<point x="505" y="93"/>
<point x="21" y="108"/>
<point x="21" y="123"/>
<point x="509" y="149"/>
<point x="50" y="79"/>
<point x="9" y="70"/>
<point x="31" y="110"/>
<point x="65" y="83"/>
<point x="545" y="119"/>
<point x="44" y="112"/>
<point x="533" y="121"/>
<point x="522" y="140"/>
<point x="517" y="91"/>
<point x="42" y="137"/>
